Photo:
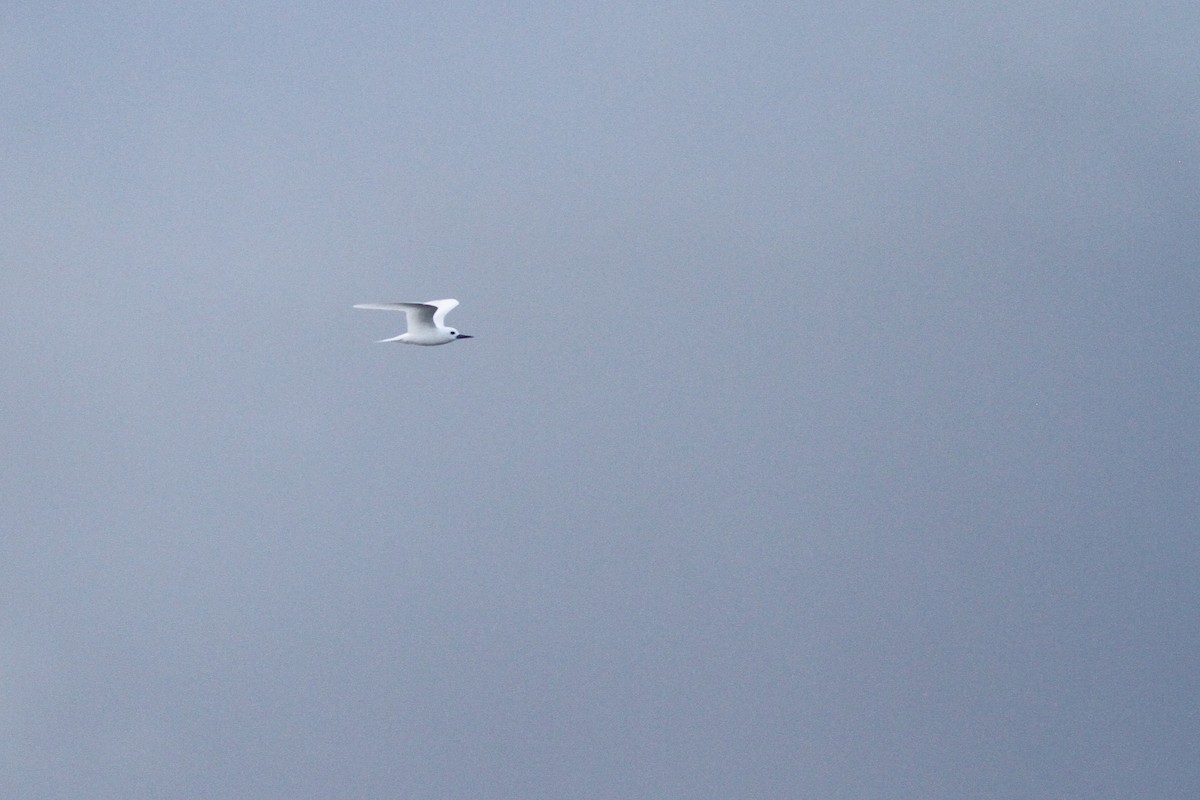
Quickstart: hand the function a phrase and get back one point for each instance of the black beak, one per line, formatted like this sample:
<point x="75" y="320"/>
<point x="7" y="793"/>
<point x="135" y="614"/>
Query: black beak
<point x="464" y="336"/>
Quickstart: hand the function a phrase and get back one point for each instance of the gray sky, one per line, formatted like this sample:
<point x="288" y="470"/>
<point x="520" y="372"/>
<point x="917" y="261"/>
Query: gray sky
<point x="831" y="428"/>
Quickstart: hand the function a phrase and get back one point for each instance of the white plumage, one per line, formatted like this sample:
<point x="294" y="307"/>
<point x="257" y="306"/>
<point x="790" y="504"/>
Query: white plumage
<point x="426" y="321"/>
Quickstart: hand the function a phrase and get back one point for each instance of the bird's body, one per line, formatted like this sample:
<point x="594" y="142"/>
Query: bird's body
<point x="426" y="322"/>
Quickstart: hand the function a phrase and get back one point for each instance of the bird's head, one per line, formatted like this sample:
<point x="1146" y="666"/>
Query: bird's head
<point x="458" y="335"/>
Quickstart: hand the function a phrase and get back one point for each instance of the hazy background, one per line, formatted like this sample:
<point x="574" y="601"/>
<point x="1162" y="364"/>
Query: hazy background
<point x="831" y="429"/>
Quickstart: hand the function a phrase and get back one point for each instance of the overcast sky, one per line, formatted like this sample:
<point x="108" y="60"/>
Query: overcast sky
<point x="831" y="428"/>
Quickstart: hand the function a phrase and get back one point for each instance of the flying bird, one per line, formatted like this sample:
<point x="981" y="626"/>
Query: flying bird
<point x="426" y="322"/>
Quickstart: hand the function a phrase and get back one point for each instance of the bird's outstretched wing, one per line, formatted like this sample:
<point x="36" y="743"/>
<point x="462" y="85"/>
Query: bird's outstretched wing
<point x="442" y="306"/>
<point x="420" y="315"/>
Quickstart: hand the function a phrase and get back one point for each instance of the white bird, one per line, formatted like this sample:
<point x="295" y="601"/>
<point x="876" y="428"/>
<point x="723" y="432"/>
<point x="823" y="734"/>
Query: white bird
<point x="425" y="322"/>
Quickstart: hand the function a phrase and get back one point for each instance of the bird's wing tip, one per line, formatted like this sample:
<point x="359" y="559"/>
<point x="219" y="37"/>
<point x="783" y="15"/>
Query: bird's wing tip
<point x="388" y="306"/>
